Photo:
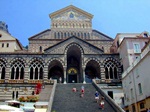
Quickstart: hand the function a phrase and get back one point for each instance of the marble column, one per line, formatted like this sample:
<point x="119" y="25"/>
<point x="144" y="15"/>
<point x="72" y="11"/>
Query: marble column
<point x="26" y="73"/>
<point x="102" y="69"/>
<point x="83" y="69"/>
<point x="45" y="74"/>
<point x="7" y="74"/>
<point x="65" y="74"/>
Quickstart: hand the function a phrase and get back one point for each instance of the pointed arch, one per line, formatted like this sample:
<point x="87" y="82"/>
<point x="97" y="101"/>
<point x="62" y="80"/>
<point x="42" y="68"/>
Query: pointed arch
<point x="55" y="69"/>
<point x="74" y="44"/>
<point x="2" y="68"/>
<point x="92" y="69"/>
<point x="36" y="68"/>
<point x="111" y="66"/>
<point x="17" y="68"/>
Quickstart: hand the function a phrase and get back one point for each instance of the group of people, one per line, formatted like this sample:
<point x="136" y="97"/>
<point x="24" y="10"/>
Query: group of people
<point x="99" y="100"/>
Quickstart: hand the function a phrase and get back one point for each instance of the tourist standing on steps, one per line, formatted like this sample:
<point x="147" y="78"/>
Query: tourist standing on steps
<point x="96" y="96"/>
<point x="82" y="91"/>
<point x="102" y="103"/>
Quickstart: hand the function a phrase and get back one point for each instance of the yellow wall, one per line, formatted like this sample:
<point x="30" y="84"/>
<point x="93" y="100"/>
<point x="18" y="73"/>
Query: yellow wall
<point x="146" y="106"/>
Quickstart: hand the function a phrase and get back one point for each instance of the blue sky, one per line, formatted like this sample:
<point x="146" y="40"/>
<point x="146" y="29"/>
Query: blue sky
<point x="26" y="18"/>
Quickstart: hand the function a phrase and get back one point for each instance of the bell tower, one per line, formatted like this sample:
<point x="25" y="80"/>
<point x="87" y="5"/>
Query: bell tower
<point x="71" y="21"/>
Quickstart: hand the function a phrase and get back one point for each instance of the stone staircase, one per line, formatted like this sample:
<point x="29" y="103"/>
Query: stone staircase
<point x="45" y="93"/>
<point x="65" y="100"/>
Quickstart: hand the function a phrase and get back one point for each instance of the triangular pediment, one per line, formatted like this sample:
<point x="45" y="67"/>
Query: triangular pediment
<point x="60" y="47"/>
<point x="71" y="13"/>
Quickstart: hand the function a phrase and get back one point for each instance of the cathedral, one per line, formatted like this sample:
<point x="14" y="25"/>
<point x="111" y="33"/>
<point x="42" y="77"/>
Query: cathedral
<point x="71" y="50"/>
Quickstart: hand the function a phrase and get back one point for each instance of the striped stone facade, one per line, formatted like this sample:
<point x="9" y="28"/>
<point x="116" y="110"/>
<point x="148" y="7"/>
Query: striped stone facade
<point x="71" y="49"/>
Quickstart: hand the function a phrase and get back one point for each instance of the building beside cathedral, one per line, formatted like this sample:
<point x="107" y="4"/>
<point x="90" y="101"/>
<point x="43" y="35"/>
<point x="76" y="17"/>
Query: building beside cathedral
<point x="70" y="49"/>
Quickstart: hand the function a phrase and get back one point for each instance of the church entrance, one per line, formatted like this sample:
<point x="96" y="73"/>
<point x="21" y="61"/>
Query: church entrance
<point x="72" y="78"/>
<point x="72" y="75"/>
<point x="74" y="64"/>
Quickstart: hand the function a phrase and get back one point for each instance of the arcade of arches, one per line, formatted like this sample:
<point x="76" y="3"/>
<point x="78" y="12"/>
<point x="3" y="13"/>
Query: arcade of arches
<point x="72" y="70"/>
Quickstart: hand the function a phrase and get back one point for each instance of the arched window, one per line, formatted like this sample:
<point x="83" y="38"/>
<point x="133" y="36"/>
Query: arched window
<point x="115" y="73"/>
<point x="79" y="35"/>
<point x="13" y="95"/>
<point x="2" y="69"/>
<point x="58" y="35"/>
<point x="12" y="73"/>
<point x="106" y="72"/>
<point x="40" y="48"/>
<point x="111" y="73"/>
<point x="102" y="48"/>
<point x="41" y="73"/>
<point x="88" y="35"/>
<point x="2" y="44"/>
<point x="111" y="70"/>
<point x="31" y="73"/>
<point x="36" y="73"/>
<point x="65" y="35"/>
<point x="16" y="94"/>
<point x="17" y="70"/>
<point x="85" y="35"/>
<point x="3" y="73"/>
<point x="61" y="35"/>
<point x="36" y="70"/>
<point x="68" y="34"/>
<point x="55" y="35"/>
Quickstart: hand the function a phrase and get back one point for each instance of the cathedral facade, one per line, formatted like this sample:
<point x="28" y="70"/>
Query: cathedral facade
<point x="70" y="50"/>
